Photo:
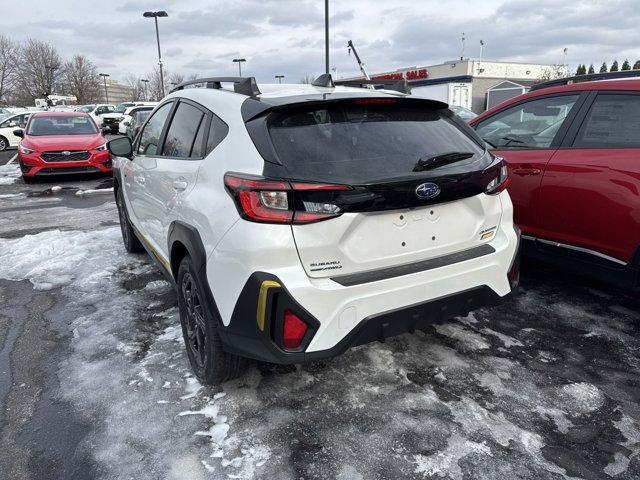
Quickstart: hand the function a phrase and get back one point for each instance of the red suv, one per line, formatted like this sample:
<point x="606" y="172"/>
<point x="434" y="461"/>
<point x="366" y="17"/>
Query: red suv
<point x="573" y="151"/>
<point x="61" y="142"/>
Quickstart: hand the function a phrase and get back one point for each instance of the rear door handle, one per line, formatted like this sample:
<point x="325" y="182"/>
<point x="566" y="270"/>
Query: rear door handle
<point x="180" y="185"/>
<point x="526" y="171"/>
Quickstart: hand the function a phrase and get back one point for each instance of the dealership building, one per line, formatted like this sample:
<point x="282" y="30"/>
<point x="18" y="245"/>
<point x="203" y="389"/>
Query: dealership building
<point x="474" y="84"/>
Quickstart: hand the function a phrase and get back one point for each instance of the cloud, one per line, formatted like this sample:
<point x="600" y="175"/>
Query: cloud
<point x="287" y="36"/>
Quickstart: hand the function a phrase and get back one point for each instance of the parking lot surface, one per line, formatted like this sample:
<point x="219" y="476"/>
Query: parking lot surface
<point x="95" y="383"/>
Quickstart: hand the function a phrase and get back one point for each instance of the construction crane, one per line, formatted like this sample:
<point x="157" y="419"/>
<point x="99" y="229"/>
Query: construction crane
<point x="360" y="64"/>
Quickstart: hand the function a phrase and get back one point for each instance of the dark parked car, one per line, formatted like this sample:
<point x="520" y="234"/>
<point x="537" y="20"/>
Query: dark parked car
<point x="137" y="119"/>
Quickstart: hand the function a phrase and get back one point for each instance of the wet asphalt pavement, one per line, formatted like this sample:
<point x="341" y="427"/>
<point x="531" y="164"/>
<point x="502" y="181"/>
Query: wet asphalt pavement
<point x="94" y="382"/>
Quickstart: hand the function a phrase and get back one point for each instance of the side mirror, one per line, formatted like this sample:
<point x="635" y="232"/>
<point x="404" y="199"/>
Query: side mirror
<point x="121" y="147"/>
<point x="19" y="133"/>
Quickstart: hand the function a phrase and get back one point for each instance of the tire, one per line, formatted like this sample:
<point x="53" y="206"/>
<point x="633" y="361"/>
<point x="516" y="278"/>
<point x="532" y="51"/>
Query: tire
<point x="209" y="362"/>
<point x="131" y="242"/>
<point x="4" y="144"/>
<point x="28" y="179"/>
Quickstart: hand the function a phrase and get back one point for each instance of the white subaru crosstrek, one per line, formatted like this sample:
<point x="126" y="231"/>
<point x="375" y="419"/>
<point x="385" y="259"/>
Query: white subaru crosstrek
<point x="297" y="221"/>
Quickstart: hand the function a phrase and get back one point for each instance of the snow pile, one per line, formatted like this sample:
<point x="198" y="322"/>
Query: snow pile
<point x="581" y="398"/>
<point x="54" y="258"/>
<point x="95" y="191"/>
<point x="9" y="174"/>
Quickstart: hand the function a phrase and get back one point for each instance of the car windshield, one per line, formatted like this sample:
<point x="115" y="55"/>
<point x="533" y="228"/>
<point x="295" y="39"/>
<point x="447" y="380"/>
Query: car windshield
<point x="355" y="142"/>
<point x="3" y="117"/>
<point x="87" y="108"/>
<point x="121" y="107"/>
<point x="61" y="125"/>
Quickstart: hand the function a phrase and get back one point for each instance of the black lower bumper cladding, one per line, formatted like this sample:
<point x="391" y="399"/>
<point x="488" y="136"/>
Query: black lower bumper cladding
<point x="243" y="337"/>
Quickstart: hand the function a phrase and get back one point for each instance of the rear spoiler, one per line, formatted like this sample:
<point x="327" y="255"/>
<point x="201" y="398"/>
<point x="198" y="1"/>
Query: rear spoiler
<point x="256" y="107"/>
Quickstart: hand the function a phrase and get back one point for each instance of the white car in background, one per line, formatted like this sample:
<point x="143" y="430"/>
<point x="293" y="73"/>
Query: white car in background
<point x="9" y="123"/>
<point x="97" y="111"/>
<point x="128" y="115"/>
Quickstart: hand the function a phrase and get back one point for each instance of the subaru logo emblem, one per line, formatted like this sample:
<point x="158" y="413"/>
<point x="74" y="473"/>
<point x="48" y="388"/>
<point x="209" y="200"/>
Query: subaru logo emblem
<point x="427" y="190"/>
<point x="66" y="153"/>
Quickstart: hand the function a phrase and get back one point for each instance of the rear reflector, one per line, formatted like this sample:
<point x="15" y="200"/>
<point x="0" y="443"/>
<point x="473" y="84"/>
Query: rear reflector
<point x="293" y="330"/>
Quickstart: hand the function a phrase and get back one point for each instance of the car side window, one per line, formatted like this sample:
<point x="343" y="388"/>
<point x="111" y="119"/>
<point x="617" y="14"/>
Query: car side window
<point x="150" y="136"/>
<point x="532" y="124"/>
<point x="613" y="121"/>
<point x="217" y="131"/>
<point x="182" y="131"/>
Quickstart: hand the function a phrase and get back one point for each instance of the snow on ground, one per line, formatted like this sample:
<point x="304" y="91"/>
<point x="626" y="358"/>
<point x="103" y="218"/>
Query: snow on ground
<point x="525" y="390"/>
<point x="9" y="174"/>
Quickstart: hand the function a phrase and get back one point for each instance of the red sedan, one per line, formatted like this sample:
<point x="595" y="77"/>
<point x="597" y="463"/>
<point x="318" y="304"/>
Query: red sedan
<point x="61" y="142"/>
<point x="573" y="152"/>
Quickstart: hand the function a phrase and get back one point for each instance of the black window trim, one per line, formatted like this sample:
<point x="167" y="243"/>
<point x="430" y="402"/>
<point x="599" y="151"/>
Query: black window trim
<point x="558" y="139"/>
<point x="163" y="133"/>
<point x="206" y="113"/>
<point x="208" y="118"/>
<point x="572" y="133"/>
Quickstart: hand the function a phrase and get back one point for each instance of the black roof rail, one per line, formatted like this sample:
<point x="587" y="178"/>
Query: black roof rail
<point x="243" y="85"/>
<point x="589" y="77"/>
<point x="324" y="80"/>
<point x="398" y="85"/>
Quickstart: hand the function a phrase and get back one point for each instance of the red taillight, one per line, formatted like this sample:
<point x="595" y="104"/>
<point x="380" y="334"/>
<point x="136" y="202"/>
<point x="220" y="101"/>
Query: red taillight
<point x="500" y="182"/>
<point x="272" y="201"/>
<point x="293" y="330"/>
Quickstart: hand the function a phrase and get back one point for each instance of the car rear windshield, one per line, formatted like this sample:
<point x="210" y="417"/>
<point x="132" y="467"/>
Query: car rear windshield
<point x="61" y="125"/>
<point x="355" y="142"/>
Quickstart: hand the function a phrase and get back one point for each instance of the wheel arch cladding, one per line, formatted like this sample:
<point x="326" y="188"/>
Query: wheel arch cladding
<point x="183" y="239"/>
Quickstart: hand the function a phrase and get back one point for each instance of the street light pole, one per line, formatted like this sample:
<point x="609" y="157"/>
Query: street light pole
<point x="155" y="16"/>
<point x="104" y="78"/>
<point x="145" y="81"/>
<point x="239" y="62"/>
<point x="326" y="36"/>
<point x="279" y="77"/>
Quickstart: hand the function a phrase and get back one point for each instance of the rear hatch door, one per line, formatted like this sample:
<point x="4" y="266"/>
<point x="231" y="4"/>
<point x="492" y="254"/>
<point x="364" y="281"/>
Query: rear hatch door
<point x="416" y="175"/>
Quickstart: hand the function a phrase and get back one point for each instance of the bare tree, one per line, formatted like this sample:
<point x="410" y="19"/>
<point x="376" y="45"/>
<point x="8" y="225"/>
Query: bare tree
<point x="156" y="89"/>
<point x="175" y="79"/>
<point x="307" y="79"/>
<point x="552" y="73"/>
<point x="81" y="79"/>
<point x="8" y="63"/>
<point x="137" y="87"/>
<point x="39" y="70"/>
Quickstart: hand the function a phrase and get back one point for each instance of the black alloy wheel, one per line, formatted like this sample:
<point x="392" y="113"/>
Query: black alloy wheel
<point x="196" y="332"/>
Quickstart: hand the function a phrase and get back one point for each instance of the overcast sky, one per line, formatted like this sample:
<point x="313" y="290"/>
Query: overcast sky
<point x="287" y="36"/>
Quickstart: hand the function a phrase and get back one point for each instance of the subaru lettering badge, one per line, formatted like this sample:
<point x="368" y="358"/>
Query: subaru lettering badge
<point x="427" y="190"/>
<point x="66" y="153"/>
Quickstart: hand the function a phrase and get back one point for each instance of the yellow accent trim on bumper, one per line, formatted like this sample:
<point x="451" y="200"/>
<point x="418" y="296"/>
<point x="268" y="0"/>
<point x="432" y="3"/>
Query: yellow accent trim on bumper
<point x="262" y="301"/>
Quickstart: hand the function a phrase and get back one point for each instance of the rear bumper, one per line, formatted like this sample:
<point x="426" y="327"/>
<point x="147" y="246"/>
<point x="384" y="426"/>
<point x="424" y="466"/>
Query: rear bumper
<point x="33" y="166"/>
<point x="353" y="310"/>
<point x="242" y="336"/>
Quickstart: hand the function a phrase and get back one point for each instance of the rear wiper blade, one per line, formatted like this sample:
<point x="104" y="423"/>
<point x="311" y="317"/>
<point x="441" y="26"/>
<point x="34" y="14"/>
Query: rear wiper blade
<point x="440" y="160"/>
